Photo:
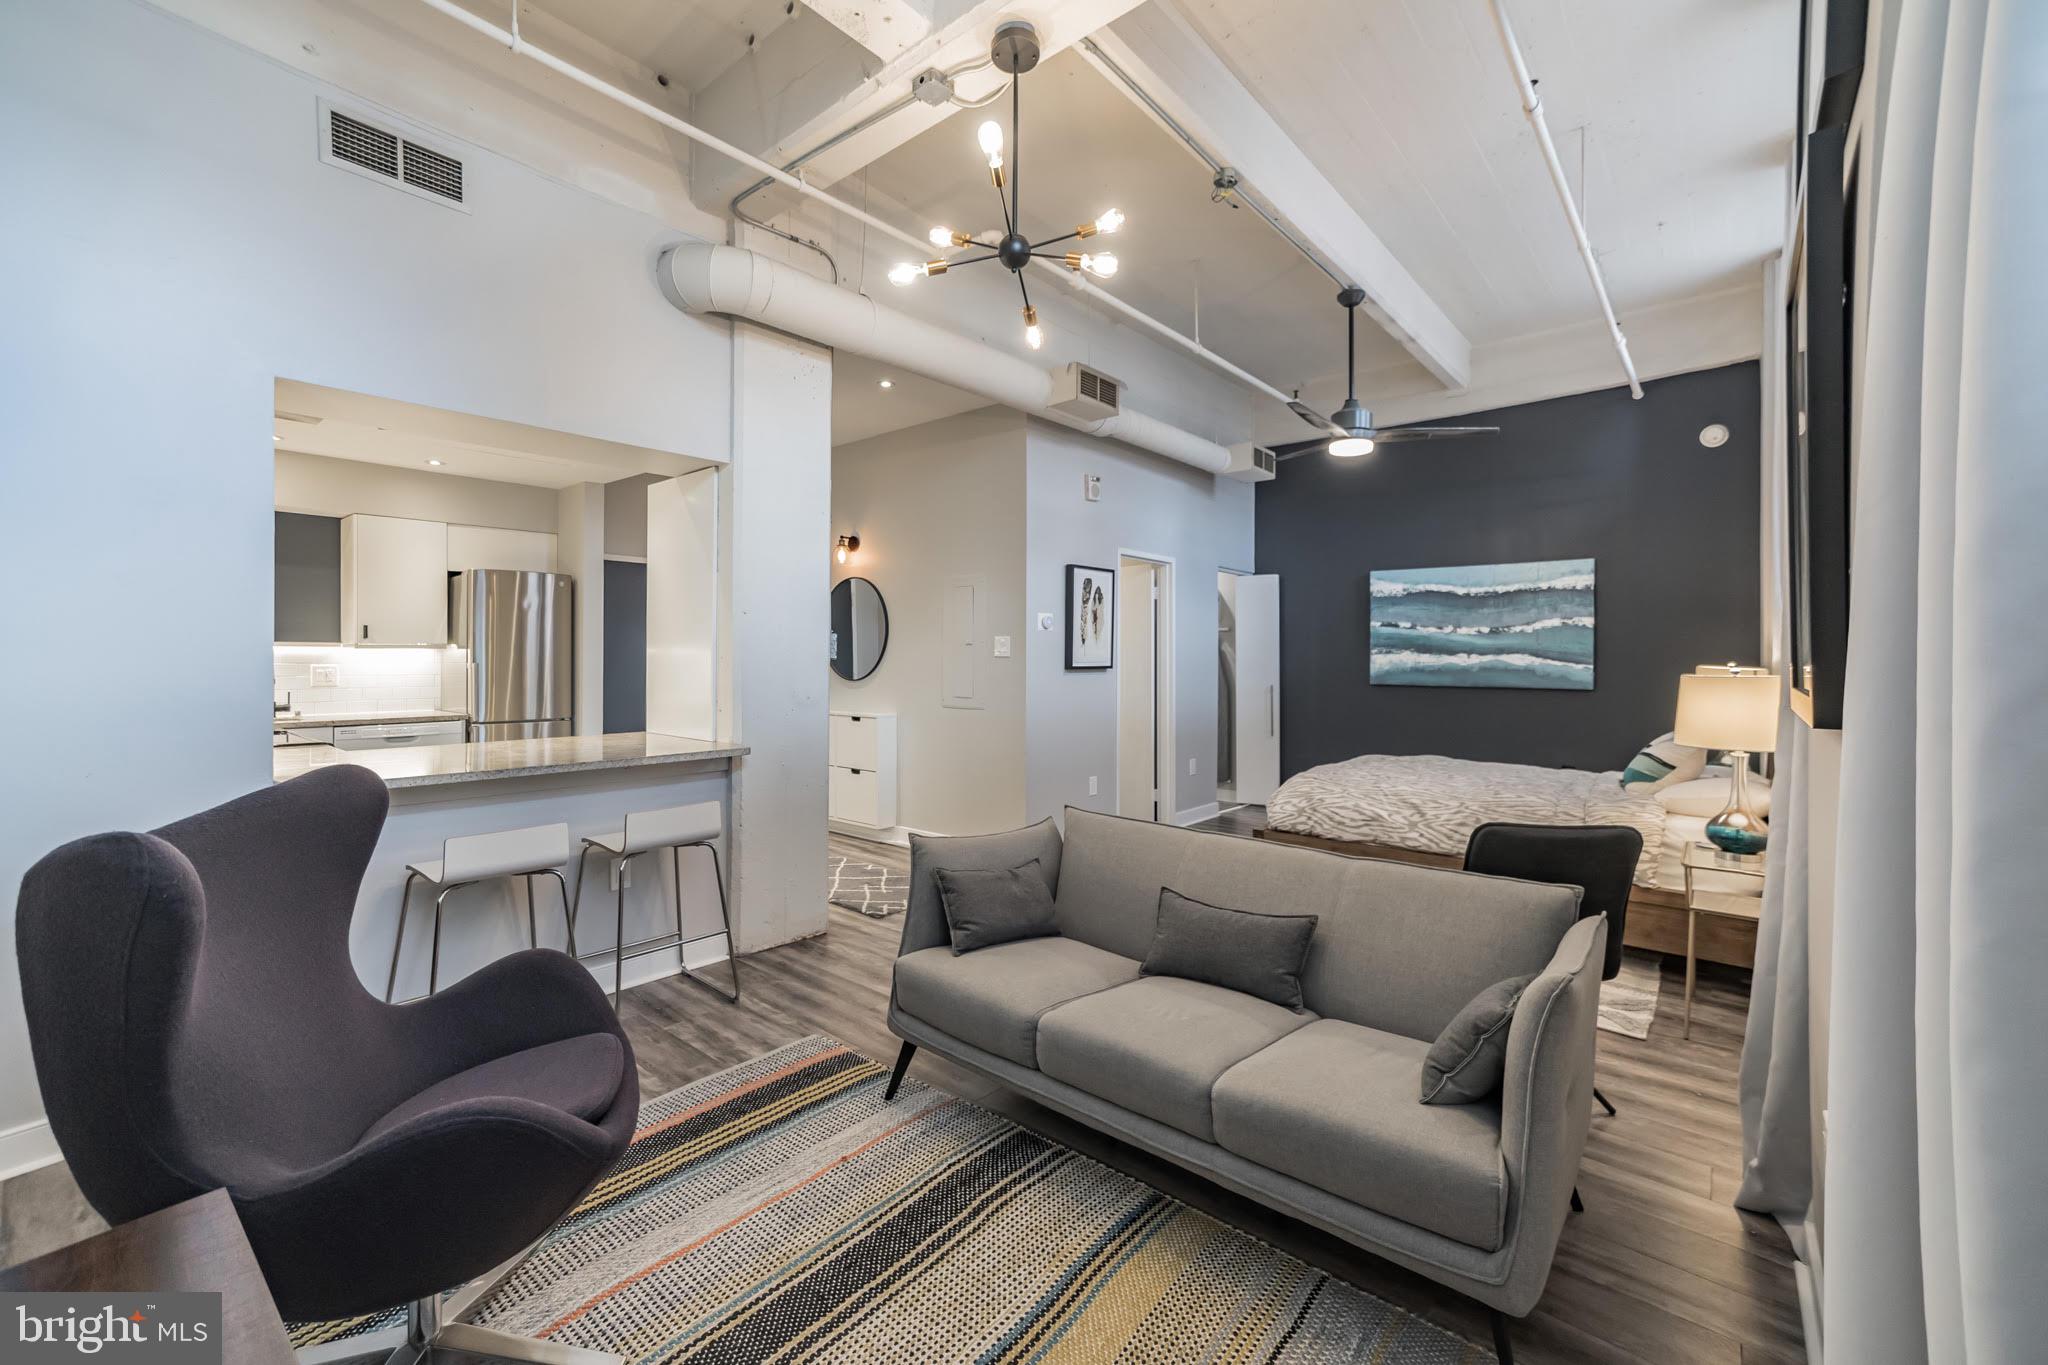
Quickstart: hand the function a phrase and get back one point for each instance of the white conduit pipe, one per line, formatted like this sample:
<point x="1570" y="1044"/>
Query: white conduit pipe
<point x="1532" y="109"/>
<point x="510" y="39"/>
<point x="702" y="278"/>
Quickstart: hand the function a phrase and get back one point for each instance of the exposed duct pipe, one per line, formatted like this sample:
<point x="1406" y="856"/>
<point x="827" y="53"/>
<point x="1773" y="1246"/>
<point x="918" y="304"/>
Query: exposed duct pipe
<point x="740" y="283"/>
<point x="512" y="41"/>
<point x="1532" y="108"/>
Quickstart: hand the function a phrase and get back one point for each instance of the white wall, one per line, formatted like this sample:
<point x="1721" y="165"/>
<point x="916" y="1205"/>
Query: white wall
<point x="174" y="247"/>
<point x="579" y="553"/>
<point x="930" y="503"/>
<point x="1149" y="507"/>
<point x="327" y="487"/>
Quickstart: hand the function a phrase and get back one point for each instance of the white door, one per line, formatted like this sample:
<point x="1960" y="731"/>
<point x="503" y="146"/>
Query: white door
<point x="1137" y="690"/>
<point x="1258" y="687"/>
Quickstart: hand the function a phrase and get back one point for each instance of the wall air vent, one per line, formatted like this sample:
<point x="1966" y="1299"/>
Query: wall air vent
<point x="354" y="143"/>
<point x="1081" y="392"/>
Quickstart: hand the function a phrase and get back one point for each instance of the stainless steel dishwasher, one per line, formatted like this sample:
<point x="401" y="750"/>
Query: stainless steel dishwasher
<point x="409" y="735"/>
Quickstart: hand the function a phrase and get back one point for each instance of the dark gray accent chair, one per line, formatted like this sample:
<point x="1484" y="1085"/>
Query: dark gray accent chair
<point x="1313" y="1112"/>
<point x="197" y="1023"/>
<point x="1598" y="859"/>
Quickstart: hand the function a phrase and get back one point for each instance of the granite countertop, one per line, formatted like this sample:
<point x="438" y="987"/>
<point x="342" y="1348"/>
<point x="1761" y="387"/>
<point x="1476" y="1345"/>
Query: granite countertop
<point x="439" y="764"/>
<point x="364" y="718"/>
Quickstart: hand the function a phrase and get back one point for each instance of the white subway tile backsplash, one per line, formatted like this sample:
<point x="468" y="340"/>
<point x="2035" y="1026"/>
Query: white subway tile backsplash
<point x="365" y="679"/>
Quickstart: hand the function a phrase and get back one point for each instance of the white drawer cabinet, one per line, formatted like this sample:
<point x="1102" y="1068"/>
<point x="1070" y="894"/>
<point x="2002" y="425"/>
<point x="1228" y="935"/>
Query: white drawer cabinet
<point x="861" y="750"/>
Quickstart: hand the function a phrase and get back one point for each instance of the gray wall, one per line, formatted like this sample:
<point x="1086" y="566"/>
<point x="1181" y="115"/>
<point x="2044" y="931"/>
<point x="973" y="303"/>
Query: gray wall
<point x="930" y="502"/>
<point x="1149" y="506"/>
<point x="625" y="647"/>
<point x="1671" y="524"/>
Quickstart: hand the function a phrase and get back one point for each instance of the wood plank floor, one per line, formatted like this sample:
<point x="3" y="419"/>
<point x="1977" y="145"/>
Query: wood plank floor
<point x="1661" y="1267"/>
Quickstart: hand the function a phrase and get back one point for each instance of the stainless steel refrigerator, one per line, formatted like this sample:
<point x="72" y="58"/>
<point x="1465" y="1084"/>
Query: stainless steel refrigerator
<point x="518" y="629"/>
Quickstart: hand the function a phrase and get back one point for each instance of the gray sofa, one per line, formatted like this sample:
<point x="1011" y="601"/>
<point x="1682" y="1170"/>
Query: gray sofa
<point x="1316" y="1113"/>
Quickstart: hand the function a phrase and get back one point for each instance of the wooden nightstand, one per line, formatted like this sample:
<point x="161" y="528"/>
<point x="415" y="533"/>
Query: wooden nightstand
<point x="1699" y="858"/>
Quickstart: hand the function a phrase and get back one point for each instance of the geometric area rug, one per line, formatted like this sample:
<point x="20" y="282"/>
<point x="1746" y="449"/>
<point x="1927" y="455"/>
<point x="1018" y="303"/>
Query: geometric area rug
<point x="781" y="1211"/>
<point x="867" y="888"/>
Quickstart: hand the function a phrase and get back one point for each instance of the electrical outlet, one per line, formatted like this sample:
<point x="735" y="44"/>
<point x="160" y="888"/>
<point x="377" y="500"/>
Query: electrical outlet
<point x="326" y="675"/>
<point x="1091" y="786"/>
<point x="1002" y="646"/>
<point x="1191" y="767"/>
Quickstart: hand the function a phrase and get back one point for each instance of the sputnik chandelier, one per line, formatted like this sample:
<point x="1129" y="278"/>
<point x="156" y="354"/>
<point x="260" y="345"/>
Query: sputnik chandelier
<point x="1015" y="51"/>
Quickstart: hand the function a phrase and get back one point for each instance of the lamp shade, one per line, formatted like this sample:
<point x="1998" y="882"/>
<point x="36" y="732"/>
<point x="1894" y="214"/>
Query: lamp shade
<point x="1728" y="711"/>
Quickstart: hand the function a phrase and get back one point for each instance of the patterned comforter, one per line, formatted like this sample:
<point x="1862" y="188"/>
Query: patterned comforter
<point x="1432" y="804"/>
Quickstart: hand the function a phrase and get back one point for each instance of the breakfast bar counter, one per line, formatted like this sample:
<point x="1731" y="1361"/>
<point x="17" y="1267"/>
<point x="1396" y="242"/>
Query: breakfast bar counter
<point x="442" y="764"/>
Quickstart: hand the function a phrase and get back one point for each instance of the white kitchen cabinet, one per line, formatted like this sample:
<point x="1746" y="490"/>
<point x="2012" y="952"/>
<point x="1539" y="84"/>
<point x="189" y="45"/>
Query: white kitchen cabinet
<point x="394" y="581"/>
<point x="494" y="547"/>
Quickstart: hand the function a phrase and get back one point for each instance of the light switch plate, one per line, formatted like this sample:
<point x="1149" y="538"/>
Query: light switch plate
<point x="1002" y="646"/>
<point x="326" y="675"/>
<point x="1091" y="487"/>
<point x="1091" y="786"/>
<point x="1191" y="767"/>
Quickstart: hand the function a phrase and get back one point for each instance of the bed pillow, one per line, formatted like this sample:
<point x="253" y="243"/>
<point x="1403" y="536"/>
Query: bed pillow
<point x="1661" y="763"/>
<point x="987" y="906"/>
<point x="1469" y="1059"/>
<point x="1707" y="795"/>
<point x="1241" y="950"/>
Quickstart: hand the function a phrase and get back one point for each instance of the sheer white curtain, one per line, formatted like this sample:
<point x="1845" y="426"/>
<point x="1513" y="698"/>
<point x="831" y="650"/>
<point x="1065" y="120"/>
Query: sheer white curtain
<point x="1936" y="1231"/>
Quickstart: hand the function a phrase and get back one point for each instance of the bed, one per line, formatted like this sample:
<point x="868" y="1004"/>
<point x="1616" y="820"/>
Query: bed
<point x="1423" y="807"/>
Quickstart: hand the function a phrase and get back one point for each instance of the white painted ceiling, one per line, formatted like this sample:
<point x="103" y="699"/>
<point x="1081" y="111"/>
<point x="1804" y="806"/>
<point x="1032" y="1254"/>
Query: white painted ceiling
<point x="861" y="407"/>
<point x="691" y="42"/>
<point x="315" y="420"/>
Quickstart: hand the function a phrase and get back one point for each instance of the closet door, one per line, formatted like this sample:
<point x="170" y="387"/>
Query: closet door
<point x="1258" y="687"/>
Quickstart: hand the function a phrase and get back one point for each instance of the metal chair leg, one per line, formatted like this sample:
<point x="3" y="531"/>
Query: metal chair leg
<point x="1578" y="1204"/>
<point x="619" y="941"/>
<point x="398" y="939"/>
<point x="434" y="962"/>
<point x="568" y="910"/>
<point x="903" y="1056"/>
<point x="532" y="929"/>
<point x="732" y="952"/>
<point x="1605" y="1103"/>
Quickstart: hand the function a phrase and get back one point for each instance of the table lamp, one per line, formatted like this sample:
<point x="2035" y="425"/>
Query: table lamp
<point x="1735" y="710"/>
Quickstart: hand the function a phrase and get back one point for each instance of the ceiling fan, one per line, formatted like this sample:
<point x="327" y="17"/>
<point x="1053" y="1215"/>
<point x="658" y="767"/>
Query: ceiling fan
<point x="1350" y="428"/>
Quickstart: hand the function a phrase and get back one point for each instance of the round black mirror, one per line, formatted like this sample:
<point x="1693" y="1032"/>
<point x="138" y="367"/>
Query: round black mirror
<point x="860" y="628"/>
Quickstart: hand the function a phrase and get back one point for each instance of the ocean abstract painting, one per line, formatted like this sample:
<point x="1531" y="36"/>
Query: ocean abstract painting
<point x="1485" y="625"/>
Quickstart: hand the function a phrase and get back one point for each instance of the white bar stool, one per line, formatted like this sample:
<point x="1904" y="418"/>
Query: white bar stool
<point x="539" y="850"/>
<point x="648" y="831"/>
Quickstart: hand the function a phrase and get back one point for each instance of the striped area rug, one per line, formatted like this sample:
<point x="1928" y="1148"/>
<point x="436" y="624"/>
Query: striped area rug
<point x="781" y="1211"/>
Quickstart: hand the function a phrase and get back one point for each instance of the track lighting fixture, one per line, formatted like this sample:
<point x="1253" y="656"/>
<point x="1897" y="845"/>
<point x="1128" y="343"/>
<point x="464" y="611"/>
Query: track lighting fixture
<point x="1014" y="51"/>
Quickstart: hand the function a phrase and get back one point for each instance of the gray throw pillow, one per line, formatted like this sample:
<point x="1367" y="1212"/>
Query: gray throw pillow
<point x="925" y="924"/>
<point x="1244" y="950"/>
<point x="1469" y="1058"/>
<point x="987" y="906"/>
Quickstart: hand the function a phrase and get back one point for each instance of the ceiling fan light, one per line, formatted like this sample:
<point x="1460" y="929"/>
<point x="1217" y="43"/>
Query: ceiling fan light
<point x="1350" y="447"/>
<point x="1110" y="221"/>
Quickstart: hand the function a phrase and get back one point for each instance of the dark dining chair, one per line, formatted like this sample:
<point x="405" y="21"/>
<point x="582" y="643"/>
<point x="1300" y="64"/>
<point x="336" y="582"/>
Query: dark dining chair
<point x="197" y="1023"/>
<point x="1598" y="859"/>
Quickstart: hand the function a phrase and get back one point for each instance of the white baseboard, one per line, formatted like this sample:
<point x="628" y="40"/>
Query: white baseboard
<point x="27" y="1147"/>
<point x="1195" y="815"/>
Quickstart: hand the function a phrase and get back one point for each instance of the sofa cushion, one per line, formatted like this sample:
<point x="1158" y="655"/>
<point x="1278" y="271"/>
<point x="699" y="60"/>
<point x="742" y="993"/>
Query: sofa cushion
<point x="987" y="906"/>
<point x="1396" y="947"/>
<point x="1240" y="950"/>
<point x="992" y="999"/>
<point x="1158" y="1044"/>
<point x="1333" y="1104"/>
<point x="924" y="922"/>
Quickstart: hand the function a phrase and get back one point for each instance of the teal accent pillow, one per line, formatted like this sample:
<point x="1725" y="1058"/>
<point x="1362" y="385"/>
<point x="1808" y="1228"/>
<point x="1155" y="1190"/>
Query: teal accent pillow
<point x="1663" y="762"/>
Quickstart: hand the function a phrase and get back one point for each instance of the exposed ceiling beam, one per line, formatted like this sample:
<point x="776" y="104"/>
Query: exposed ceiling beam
<point x="810" y="82"/>
<point x="1187" y="84"/>
<point x="887" y="28"/>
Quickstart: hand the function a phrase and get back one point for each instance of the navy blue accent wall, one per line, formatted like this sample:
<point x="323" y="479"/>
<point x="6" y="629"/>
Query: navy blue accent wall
<point x="1672" y="525"/>
<point x="625" y="647"/>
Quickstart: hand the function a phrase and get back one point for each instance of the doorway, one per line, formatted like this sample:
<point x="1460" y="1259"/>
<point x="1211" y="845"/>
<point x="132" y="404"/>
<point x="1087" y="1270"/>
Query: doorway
<point x="1144" y="669"/>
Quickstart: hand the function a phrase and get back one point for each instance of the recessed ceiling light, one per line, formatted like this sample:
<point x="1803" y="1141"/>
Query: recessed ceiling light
<point x="888" y="383"/>
<point x="1713" y="436"/>
<point x="434" y="462"/>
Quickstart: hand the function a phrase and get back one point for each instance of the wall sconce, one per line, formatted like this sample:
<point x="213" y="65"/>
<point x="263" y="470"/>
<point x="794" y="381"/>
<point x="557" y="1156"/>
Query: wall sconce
<point x="847" y="548"/>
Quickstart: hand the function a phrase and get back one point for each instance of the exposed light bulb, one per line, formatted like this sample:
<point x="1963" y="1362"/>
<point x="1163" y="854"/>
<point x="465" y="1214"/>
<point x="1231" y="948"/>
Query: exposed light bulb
<point x="840" y="553"/>
<point x="1034" y="335"/>
<point x="1349" y="447"/>
<point x="941" y="237"/>
<point x="1110" y="221"/>
<point x="1102" y="265"/>
<point x="903" y="272"/>
<point x="990" y="136"/>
